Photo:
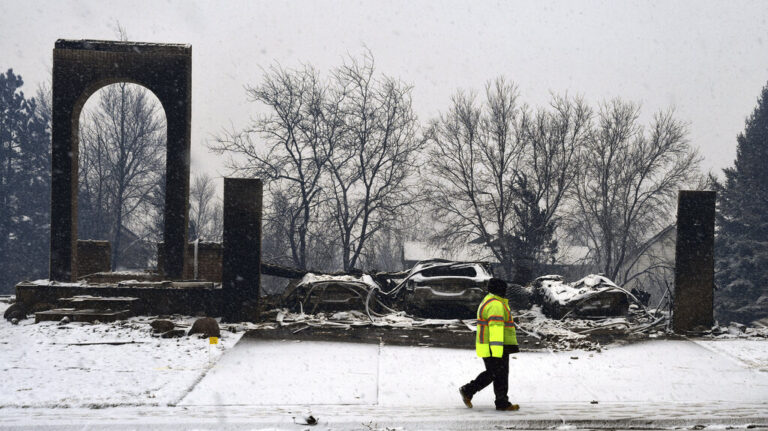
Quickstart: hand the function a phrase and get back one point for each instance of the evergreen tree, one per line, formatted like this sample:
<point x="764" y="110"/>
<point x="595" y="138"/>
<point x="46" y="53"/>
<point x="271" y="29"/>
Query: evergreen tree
<point x="24" y="185"/>
<point x="742" y="241"/>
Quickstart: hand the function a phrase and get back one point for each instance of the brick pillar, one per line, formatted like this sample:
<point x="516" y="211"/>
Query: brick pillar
<point x="64" y="158"/>
<point x="93" y="256"/>
<point x="694" y="261"/>
<point x="241" y="254"/>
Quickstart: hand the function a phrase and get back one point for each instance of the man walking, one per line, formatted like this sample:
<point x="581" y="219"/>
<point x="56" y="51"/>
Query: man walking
<point x="496" y="339"/>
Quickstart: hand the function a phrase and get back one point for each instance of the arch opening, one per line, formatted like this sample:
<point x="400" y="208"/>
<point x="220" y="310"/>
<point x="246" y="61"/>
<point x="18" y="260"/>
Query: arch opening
<point x="122" y="144"/>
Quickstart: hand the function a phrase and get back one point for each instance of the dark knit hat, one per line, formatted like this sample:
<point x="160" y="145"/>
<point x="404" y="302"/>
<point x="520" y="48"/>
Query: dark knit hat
<point x="497" y="286"/>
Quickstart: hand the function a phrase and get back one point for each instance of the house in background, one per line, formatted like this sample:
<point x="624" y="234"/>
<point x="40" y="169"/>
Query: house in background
<point x="416" y="251"/>
<point x="136" y="252"/>
<point x="570" y="261"/>
<point x="652" y="267"/>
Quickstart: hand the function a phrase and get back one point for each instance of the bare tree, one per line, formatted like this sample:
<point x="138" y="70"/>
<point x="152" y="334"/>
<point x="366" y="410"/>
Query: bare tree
<point x="337" y="152"/>
<point x="205" y="210"/>
<point x="499" y="173"/>
<point x="285" y="146"/>
<point x="280" y="221"/>
<point x="384" y="251"/>
<point x="627" y="183"/>
<point x="216" y="232"/>
<point x="374" y="157"/>
<point x="553" y="140"/>
<point x="122" y="150"/>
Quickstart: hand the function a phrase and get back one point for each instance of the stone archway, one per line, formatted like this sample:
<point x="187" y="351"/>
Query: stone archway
<point x="81" y="67"/>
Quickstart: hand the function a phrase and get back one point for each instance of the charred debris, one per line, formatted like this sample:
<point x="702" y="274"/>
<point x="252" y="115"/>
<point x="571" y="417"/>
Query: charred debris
<point x="435" y="301"/>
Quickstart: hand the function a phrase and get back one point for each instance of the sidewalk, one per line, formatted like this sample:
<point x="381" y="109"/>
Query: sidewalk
<point x="275" y="385"/>
<point x="296" y="373"/>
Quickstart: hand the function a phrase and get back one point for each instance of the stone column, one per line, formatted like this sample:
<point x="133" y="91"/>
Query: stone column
<point x="241" y="254"/>
<point x="64" y="171"/>
<point x="694" y="261"/>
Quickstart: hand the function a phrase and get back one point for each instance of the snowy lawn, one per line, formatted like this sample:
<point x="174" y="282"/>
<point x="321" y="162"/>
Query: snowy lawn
<point x="42" y="365"/>
<point x="284" y="373"/>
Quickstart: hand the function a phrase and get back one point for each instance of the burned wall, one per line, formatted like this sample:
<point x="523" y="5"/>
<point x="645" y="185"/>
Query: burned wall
<point x="694" y="261"/>
<point x="93" y="256"/>
<point x="80" y="68"/>
<point x="241" y="260"/>
<point x="209" y="257"/>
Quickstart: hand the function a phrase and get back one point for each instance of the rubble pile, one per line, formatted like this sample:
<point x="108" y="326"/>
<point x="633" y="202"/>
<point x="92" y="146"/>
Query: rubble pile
<point x="587" y="334"/>
<point x="737" y="330"/>
<point x="551" y="313"/>
<point x="354" y="318"/>
<point x="593" y="295"/>
<point x="536" y="331"/>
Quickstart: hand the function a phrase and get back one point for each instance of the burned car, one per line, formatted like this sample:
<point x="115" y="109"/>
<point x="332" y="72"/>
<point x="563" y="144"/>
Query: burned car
<point x="591" y="296"/>
<point x="432" y="288"/>
<point x="327" y="293"/>
<point x="443" y="288"/>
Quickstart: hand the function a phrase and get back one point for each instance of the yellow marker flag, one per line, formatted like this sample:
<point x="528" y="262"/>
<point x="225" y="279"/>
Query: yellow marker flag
<point x="213" y="340"/>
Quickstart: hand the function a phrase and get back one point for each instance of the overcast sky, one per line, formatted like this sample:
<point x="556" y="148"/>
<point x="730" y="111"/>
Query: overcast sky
<point x="709" y="60"/>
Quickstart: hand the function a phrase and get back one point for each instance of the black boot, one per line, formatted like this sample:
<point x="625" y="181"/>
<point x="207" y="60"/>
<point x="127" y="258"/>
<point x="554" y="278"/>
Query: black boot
<point x="465" y="396"/>
<point x="508" y="407"/>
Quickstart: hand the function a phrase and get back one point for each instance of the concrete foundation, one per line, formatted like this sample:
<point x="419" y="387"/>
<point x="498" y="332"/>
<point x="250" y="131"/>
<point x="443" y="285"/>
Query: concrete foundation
<point x="153" y="300"/>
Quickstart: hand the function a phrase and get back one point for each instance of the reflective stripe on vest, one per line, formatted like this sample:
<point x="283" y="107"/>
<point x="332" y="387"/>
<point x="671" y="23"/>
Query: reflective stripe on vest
<point x="483" y="323"/>
<point x="506" y="324"/>
<point x="482" y="307"/>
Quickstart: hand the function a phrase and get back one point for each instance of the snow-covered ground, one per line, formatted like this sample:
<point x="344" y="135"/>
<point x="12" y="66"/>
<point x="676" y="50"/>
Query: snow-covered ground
<point x="154" y="383"/>
<point x="52" y="365"/>
<point x="749" y="353"/>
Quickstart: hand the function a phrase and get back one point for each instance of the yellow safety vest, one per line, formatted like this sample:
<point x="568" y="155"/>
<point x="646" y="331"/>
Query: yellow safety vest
<point x="495" y="327"/>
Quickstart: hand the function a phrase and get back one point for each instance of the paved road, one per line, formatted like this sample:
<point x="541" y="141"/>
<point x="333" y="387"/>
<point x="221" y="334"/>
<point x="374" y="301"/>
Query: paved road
<point x="533" y="416"/>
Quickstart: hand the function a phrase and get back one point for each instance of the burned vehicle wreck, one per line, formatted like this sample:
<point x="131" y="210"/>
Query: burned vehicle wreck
<point x="432" y="288"/>
<point x="329" y="293"/>
<point x="443" y="288"/>
<point x="591" y="296"/>
<point x="439" y="288"/>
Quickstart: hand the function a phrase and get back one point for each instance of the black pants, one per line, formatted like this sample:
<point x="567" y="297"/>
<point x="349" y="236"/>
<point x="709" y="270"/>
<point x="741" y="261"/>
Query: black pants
<point x="496" y="371"/>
